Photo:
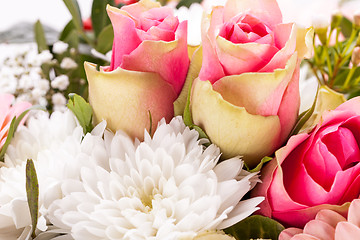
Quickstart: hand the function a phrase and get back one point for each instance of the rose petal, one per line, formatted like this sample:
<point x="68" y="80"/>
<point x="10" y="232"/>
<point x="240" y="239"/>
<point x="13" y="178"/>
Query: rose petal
<point x="213" y="114"/>
<point x="137" y="9"/>
<point x="135" y="94"/>
<point x="211" y="69"/>
<point x="244" y="91"/>
<point x="126" y="38"/>
<point x="288" y="233"/>
<point x="266" y="10"/>
<point x="235" y="57"/>
<point x="169" y="59"/>
<point x="280" y="59"/>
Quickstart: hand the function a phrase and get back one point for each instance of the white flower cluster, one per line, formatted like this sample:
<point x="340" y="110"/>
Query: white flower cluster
<point x="106" y="186"/>
<point x="21" y="75"/>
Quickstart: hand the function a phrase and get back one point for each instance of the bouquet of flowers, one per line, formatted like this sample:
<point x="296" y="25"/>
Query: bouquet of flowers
<point x="171" y="140"/>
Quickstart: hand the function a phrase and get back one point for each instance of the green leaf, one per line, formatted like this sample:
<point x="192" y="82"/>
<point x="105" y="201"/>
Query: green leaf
<point x="82" y="111"/>
<point x="187" y="3"/>
<point x="67" y="30"/>
<point x="346" y="27"/>
<point x="99" y="17"/>
<point x="72" y="39"/>
<point x="260" y="165"/>
<point x="105" y="39"/>
<point x="255" y="227"/>
<point x="12" y="129"/>
<point x="201" y="132"/>
<point x="32" y="191"/>
<point x="73" y="7"/>
<point x="40" y="37"/>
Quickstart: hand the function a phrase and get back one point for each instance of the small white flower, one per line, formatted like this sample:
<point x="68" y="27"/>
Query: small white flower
<point x="43" y="84"/>
<point x="68" y="63"/>
<point x="26" y="82"/>
<point x="59" y="102"/>
<point x="167" y="187"/>
<point x="193" y="15"/>
<point x="60" y="47"/>
<point x="60" y="82"/>
<point x="45" y="56"/>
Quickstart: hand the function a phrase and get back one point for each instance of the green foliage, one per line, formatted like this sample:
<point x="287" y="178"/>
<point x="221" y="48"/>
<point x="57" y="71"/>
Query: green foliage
<point x="331" y="63"/>
<point x="82" y="110"/>
<point x="40" y="37"/>
<point x="32" y="191"/>
<point x="187" y="3"/>
<point x="73" y="7"/>
<point x="99" y="17"/>
<point x="260" y="165"/>
<point x="105" y="39"/>
<point x="256" y="227"/>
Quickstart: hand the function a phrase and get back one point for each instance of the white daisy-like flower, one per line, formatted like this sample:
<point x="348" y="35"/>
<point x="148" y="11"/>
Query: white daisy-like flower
<point x="167" y="187"/>
<point x="55" y="145"/>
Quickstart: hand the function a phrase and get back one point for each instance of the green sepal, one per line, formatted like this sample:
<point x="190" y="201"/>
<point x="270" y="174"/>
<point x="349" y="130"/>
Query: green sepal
<point x="12" y="129"/>
<point x="259" y="166"/>
<point x="40" y="37"/>
<point x="255" y="227"/>
<point x="187" y="3"/>
<point x="82" y="110"/>
<point x="32" y="192"/>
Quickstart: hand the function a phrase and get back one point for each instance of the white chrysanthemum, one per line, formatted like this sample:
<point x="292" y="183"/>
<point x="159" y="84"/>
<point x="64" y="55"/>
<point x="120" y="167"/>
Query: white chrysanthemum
<point x="55" y="146"/>
<point x="166" y="187"/>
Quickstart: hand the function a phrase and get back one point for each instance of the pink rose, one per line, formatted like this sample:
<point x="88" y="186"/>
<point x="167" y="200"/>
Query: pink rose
<point x="7" y="112"/>
<point x="147" y="72"/>
<point x="248" y="89"/>
<point x="316" y="170"/>
<point x="139" y="32"/>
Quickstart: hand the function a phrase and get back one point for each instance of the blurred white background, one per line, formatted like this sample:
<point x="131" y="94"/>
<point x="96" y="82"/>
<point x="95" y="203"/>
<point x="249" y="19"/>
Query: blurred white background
<point x="50" y="12"/>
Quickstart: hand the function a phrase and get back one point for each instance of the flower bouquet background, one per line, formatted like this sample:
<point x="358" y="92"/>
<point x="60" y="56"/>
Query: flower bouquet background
<point x="166" y="136"/>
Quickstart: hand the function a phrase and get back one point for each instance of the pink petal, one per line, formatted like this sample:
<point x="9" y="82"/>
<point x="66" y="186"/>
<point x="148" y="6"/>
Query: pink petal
<point x="266" y="10"/>
<point x="330" y="217"/>
<point x="299" y="217"/>
<point x="346" y="231"/>
<point x="288" y="233"/>
<point x="281" y="57"/>
<point x="351" y="105"/>
<point x="289" y="105"/>
<point x="5" y="103"/>
<point x="169" y="59"/>
<point x="211" y="68"/>
<point x="137" y="9"/>
<point x="354" y="212"/>
<point x="319" y="229"/>
<point x="126" y="39"/>
<point x="239" y="58"/>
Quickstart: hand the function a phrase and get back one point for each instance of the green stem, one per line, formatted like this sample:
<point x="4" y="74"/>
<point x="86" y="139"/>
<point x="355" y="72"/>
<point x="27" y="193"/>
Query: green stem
<point x="348" y="78"/>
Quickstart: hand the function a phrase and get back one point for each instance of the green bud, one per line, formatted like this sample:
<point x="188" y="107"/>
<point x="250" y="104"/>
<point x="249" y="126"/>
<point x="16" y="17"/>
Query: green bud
<point x="321" y="27"/>
<point x="336" y="20"/>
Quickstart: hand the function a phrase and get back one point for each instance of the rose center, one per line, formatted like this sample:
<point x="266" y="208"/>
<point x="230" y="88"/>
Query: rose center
<point x="244" y="29"/>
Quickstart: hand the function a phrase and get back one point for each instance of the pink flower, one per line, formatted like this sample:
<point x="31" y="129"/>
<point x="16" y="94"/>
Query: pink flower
<point x="251" y="61"/>
<point x="139" y="32"/>
<point x="7" y="112"/>
<point x="328" y="225"/>
<point x="147" y="72"/>
<point x="316" y="170"/>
